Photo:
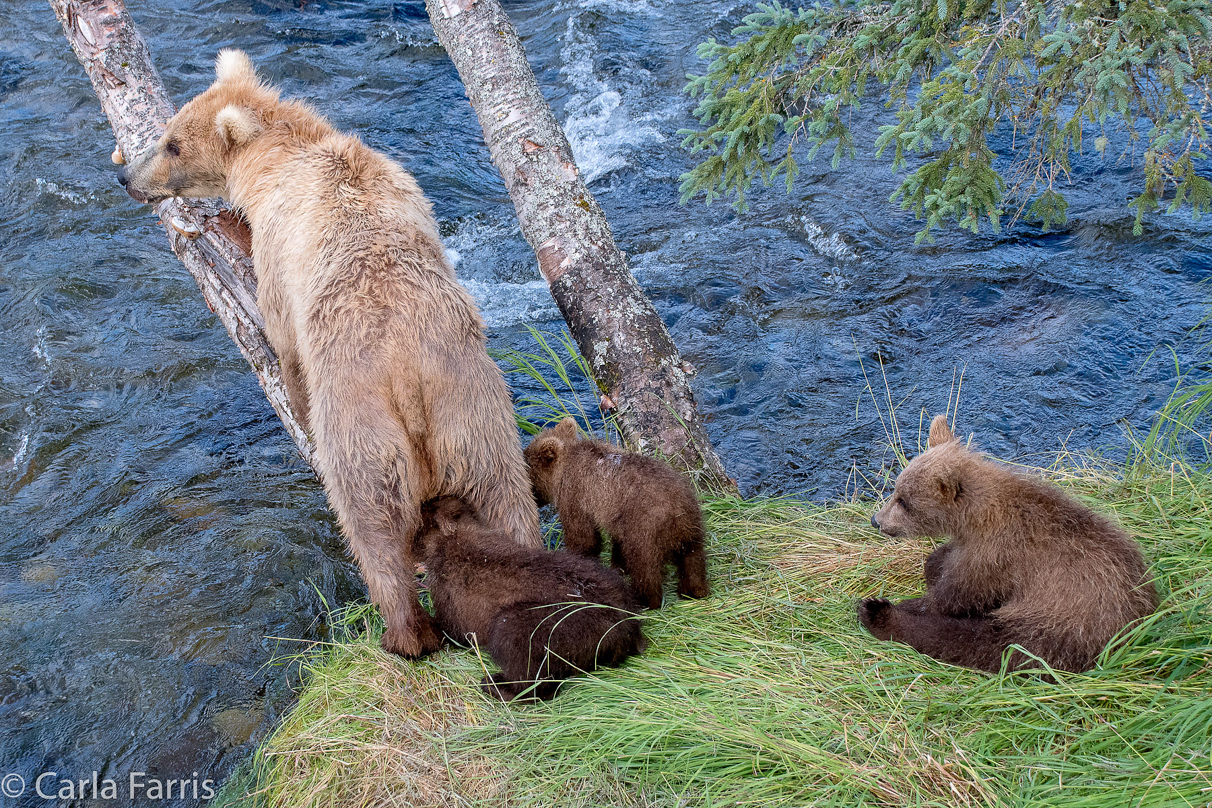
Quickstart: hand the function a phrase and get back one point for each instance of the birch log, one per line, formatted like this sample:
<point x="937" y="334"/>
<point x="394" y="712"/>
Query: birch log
<point x="635" y="362"/>
<point x="212" y="242"/>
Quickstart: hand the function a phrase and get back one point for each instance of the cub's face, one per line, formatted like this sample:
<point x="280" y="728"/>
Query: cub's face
<point x="193" y="155"/>
<point x="928" y="491"/>
<point x="545" y="456"/>
<point x="925" y="496"/>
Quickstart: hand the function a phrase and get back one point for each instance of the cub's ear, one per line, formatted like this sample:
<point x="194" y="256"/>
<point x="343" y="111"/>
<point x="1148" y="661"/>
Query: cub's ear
<point x="543" y="452"/>
<point x="950" y="485"/>
<point x="440" y="517"/>
<point x="234" y="65"/>
<point x="940" y="433"/>
<point x="566" y="429"/>
<point x="236" y="125"/>
<point x="449" y="510"/>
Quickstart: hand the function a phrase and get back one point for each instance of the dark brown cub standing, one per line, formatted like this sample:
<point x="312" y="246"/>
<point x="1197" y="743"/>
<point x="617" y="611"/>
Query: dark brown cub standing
<point x="648" y="509"/>
<point x="1026" y="565"/>
<point x="542" y="616"/>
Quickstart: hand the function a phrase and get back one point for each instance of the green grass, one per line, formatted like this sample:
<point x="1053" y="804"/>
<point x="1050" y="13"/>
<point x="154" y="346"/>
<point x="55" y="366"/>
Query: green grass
<point x="557" y="382"/>
<point x="769" y="693"/>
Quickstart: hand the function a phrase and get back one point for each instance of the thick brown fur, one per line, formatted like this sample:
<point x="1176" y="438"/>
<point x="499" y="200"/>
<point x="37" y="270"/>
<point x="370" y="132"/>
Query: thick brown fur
<point x="648" y="509"/>
<point x="542" y="616"/>
<point x="1026" y="565"/>
<point x="382" y="351"/>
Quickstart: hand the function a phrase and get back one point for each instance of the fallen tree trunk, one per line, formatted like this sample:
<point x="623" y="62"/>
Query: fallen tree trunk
<point x="211" y="242"/>
<point x="634" y="360"/>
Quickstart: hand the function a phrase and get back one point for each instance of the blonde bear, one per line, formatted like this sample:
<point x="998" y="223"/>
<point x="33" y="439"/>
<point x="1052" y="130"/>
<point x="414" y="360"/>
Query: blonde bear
<point x="382" y="351"/>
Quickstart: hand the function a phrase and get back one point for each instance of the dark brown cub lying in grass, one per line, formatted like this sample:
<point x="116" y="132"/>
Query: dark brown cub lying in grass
<point x="542" y="616"/>
<point x="1026" y="565"/>
<point x="649" y="510"/>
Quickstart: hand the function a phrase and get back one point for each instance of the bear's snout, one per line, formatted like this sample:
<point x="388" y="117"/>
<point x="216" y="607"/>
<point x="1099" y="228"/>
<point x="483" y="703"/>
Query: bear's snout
<point x="887" y="522"/>
<point x="124" y="181"/>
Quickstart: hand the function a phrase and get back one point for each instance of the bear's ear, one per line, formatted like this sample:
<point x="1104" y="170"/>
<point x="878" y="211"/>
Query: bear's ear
<point x="236" y="125"/>
<point x="234" y="65"/>
<point x="543" y="452"/>
<point x="566" y="429"/>
<point x="950" y="485"/>
<point x="940" y="433"/>
<point x="448" y="509"/>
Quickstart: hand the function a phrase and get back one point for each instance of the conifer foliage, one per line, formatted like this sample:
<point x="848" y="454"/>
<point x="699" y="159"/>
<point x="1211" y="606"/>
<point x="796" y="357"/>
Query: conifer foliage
<point x="1059" y="78"/>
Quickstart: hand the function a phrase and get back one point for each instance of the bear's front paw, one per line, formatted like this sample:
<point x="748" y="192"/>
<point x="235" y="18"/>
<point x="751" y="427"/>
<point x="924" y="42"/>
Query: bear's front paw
<point x="876" y="616"/>
<point x="494" y="686"/>
<point x="412" y="642"/>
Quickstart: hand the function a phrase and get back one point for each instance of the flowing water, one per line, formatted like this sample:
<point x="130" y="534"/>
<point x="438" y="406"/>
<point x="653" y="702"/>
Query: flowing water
<point x="158" y="535"/>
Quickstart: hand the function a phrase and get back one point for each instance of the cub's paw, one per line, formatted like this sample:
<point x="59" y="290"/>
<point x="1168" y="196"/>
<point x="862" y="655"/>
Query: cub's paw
<point x="493" y="686"/>
<point x="693" y="589"/>
<point x="876" y="616"/>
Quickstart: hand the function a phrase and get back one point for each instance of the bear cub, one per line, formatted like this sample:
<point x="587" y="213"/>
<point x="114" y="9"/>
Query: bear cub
<point x="542" y="616"/>
<point x="648" y="509"/>
<point x="1025" y="565"/>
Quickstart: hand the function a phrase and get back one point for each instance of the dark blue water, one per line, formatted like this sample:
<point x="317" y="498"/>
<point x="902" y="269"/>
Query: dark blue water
<point x="156" y="529"/>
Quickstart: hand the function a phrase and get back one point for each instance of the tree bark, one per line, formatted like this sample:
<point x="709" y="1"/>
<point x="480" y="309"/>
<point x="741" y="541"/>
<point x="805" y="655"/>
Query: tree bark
<point x="634" y="360"/>
<point x="212" y="242"/>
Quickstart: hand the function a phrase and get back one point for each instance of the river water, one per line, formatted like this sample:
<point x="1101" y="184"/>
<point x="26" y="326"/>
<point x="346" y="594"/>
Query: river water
<point x="161" y="544"/>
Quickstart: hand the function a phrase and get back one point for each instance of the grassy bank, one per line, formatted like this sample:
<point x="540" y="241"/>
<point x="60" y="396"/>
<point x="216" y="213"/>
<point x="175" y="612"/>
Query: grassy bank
<point x="770" y="693"/>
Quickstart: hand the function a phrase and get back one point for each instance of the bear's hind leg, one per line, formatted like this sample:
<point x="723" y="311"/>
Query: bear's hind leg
<point x="973" y="642"/>
<point x="470" y="416"/>
<point x="415" y="637"/>
<point x="692" y="571"/>
<point x="499" y="503"/>
<point x="370" y="476"/>
<point x="388" y="572"/>
<point x="646" y="568"/>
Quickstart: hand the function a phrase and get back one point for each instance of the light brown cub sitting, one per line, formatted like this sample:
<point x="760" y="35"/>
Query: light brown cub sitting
<point x="382" y="351"/>
<point x="648" y="509"/>
<point x="1026" y="565"/>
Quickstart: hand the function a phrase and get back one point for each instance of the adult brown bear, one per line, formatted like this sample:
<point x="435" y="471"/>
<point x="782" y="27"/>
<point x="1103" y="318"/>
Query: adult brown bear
<point x="382" y="351"/>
